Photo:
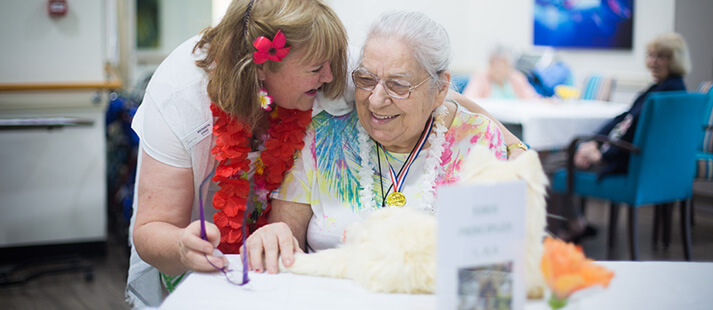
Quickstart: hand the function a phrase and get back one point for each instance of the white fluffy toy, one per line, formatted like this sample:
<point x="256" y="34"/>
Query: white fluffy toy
<point x="394" y="249"/>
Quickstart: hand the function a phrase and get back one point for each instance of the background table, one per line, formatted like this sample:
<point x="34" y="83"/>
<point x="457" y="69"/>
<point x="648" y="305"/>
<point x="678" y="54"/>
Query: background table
<point x="636" y="285"/>
<point x="552" y="124"/>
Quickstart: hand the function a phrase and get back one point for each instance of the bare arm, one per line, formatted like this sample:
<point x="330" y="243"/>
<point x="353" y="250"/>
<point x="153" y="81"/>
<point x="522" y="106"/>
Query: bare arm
<point x="475" y="108"/>
<point x="162" y="234"/>
<point x="295" y="215"/>
<point x="285" y="235"/>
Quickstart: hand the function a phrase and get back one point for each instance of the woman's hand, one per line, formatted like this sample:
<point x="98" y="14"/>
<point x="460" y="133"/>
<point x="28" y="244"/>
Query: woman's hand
<point x="587" y="155"/>
<point x="194" y="250"/>
<point x="267" y="244"/>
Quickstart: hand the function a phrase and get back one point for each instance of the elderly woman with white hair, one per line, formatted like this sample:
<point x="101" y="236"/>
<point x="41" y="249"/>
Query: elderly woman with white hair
<point x="403" y="140"/>
<point x="668" y="61"/>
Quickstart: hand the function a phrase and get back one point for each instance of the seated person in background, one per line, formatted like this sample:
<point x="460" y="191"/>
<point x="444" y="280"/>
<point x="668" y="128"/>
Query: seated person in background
<point x="500" y="81"/>
<point x="668" y="61"/>
<point x="403" y="123"/>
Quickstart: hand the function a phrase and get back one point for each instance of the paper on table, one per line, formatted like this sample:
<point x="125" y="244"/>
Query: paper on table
<point x="481" y="246"/>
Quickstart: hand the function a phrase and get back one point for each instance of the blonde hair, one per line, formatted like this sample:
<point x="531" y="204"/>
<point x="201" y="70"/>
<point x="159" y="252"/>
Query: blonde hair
<point x="309" y="26"/>
<point x="672" y="44"/>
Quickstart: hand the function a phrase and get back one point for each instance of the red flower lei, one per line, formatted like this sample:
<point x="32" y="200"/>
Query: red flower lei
<point x="286" y="131"/>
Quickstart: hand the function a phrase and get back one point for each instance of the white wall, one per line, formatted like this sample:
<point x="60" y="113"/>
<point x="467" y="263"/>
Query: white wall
<point x="693" y="20"/>
<point x="179" y="20"/>
<point x="476" y="26"/>
<point x="182" y="19"/>
<point x="38" y="48"/>
<point x="53" y="186"/>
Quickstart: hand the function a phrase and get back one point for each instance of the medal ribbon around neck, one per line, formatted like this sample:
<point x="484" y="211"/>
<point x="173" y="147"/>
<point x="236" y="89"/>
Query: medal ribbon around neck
<point x="397" y="199"/>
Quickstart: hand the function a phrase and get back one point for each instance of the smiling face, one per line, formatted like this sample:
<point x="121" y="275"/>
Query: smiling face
<point x="395" y="123"/>
<point x="295" y="84"/>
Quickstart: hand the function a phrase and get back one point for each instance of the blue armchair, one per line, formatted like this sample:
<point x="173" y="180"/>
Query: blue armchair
<point x="659" y="171"/>
<point x="704" y="157"/>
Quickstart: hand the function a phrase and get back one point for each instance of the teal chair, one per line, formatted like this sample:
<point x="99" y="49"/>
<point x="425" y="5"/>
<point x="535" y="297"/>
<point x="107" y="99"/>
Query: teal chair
<point x="704" y="156"/>
<point x="459" y="81"/>
<point x="704" y="173"/>
<point x="659" y="171"/>
<point x="704" y="159"/>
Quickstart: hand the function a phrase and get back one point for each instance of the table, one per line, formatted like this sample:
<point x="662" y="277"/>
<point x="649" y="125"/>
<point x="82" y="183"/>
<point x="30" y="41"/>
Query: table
<point x="552" y="124"/>
<point x="636" y="285"/>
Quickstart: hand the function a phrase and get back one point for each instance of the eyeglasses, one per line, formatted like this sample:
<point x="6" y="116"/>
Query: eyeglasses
<point x="231" y="275"/>
<point x="658" y="55"/>
<point x="396" y="88"/>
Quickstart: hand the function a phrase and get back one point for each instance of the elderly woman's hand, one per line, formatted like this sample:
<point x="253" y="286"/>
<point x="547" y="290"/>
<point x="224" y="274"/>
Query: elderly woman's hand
<point x="587" y="155"/>
<point x="194" y="250"/>
<point x="267" y="244"/>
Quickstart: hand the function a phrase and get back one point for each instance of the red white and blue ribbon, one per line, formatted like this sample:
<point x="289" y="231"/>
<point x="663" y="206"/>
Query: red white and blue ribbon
<point x="398" y="180"/>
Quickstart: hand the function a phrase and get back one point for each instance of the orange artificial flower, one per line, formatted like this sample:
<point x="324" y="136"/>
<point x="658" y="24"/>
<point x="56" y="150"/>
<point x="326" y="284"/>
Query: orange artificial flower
<point x="567" y="270"/>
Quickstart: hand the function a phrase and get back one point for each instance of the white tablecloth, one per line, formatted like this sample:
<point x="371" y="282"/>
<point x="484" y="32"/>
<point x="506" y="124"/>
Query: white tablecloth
<point x="552" y="124"/>
<point x="636" y="285"/>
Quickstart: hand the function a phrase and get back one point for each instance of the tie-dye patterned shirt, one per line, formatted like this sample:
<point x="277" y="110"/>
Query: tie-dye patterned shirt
<point x="326" y="171"/>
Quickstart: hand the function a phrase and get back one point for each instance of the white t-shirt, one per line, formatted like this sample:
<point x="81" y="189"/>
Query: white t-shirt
<point x="157" y="139"/>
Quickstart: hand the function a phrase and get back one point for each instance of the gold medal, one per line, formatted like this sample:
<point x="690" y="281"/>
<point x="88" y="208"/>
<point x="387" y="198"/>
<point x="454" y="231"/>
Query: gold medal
<point x="396" y="199"/>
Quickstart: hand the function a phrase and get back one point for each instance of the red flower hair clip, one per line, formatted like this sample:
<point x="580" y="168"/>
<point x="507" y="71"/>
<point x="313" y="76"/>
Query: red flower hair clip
<point x="273" y="50"/>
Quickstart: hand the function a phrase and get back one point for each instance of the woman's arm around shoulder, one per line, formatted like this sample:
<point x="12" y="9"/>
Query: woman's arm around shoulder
<point x="478" y="86"/>
<point x="470" y="105"/>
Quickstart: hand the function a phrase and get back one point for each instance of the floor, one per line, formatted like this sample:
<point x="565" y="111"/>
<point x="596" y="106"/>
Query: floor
<point x="71" y="290"/>
<point x="597" y="213"/>
<point x="106" y="291"/>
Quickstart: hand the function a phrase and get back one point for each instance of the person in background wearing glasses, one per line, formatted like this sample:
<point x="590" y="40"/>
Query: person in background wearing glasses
<point x="404" y="139"/>
<point x="238" y="97"/>
<point x="668" y="61"/>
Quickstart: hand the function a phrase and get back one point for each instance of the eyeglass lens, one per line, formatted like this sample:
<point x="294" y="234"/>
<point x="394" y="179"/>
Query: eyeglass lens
<point x="395" y="88"/>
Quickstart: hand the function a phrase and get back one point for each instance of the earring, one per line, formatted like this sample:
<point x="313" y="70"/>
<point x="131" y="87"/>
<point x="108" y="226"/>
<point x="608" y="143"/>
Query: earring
<point x="264" y="99"/>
